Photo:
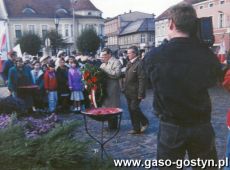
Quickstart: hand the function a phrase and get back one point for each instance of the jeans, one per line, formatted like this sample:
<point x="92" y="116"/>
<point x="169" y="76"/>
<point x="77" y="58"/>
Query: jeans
<point x="174" y="141"/>
<point x="52" y="99"/>
<point x="228" y="151"/>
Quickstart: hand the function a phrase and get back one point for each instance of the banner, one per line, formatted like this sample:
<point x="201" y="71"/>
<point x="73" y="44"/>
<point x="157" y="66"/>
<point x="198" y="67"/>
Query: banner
<point x="17" y="49"/>
<point x="221" y="54"/>
<point x="3" y="44"/>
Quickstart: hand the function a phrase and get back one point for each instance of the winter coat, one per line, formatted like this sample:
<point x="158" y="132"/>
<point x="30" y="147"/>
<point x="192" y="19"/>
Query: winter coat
<point x="113" y="71"/>
<point x="19" y="78"/>
<point x="50" y="81"/>
<point x="6" y="68"/>
<point x="135" y="79"/>
<point x="62" y="80"/>
<point x="181" y="72"/>
<point x="39" y="80"/>
<point x="75" y="79"/>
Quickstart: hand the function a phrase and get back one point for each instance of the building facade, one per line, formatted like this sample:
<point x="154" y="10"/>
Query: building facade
<point x="38" y="17"/>
<point x="217" y="9"/>
<point x="133" y="28"/>
<point x="139" y="33"/>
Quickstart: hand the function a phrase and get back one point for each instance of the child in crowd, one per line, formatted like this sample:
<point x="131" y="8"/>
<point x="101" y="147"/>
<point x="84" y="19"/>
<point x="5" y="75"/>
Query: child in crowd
<point x="63" y="88"/>
<point x="76" y="85"/>
<point x="50" y="83"/>
<point x="37" y="78"/>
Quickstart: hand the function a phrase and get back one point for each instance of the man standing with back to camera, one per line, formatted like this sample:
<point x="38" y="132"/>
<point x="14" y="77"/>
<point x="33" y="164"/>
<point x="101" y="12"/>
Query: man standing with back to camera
<point x="181" y="71"/>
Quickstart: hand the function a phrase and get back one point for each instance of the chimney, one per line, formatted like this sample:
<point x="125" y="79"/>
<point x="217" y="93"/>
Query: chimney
<point x="130" y="11"/>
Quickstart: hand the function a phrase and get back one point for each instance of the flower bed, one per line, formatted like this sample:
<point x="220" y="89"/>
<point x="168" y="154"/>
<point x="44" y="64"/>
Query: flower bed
<point x="44" y="144"/>
<point x="32" y="127"/>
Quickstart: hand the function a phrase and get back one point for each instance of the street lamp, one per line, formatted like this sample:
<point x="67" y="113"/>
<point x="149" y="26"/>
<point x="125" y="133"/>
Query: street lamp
<point x="56" y="21"/>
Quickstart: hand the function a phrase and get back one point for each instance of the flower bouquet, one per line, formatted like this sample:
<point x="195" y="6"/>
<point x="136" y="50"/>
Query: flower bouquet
<point x="94" y="79"/>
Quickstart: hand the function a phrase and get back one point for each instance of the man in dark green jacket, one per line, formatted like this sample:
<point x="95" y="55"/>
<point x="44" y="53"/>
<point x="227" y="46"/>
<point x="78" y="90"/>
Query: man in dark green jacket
<point x="135" y="91"/>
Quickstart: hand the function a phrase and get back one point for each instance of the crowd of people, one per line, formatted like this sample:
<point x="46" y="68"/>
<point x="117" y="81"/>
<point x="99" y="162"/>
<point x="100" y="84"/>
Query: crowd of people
<point x="47" y="83"/>
<point x="181" y="71"/>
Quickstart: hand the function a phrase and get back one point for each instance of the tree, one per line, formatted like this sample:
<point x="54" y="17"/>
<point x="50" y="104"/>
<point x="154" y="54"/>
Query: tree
<point x="88" y="41"/>
<point x="56" y="40"/>
<point x="30" y="43"/>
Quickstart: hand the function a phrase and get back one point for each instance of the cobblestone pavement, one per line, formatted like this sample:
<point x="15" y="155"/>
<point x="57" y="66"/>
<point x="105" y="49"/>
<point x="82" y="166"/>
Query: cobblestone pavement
<point x="144" y="146"/>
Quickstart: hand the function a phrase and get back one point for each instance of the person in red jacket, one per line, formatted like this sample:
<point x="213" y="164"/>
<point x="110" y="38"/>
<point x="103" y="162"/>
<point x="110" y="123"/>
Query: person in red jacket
<point x="226" y="84"/>
<point x="50" y="84"/>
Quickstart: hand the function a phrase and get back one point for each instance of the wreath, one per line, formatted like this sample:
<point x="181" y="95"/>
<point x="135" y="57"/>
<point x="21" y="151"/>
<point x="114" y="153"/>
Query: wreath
<point x="95" y="84"/>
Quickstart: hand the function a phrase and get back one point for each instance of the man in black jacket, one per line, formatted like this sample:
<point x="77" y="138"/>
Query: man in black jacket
<point x="181" y="71"/>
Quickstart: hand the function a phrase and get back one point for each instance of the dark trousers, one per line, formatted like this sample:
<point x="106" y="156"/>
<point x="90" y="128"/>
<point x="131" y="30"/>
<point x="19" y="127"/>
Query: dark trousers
<point x="64" y="103"/>
<point x="174" y="141"/>
<point x="136" y="115"/>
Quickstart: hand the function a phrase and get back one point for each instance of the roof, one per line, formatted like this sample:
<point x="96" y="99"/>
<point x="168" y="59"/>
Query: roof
<point x="85" y="5"/>
<point x="133" y="16"/>
<point x="165" y="14"/>
<point x="45" y="8"/>
<point x="142" y="25"/>
<point x="42" y="8"/>
<point x="193" y="1"/>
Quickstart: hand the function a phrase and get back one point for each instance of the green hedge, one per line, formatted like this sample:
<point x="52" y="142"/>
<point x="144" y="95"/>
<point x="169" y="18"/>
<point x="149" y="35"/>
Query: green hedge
<point x="56" y="150"/>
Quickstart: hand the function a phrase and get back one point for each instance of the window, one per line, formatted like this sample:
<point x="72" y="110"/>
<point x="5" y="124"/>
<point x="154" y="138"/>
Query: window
<point x="221" y="20"/>
<point x="201" y="7"/>
<point x="61" y="11"/>
<point x="101" y="29"/>
<point x="31" y="29"/>
<point x="18" y="31"/>
<point x="60" y="29"/>
<point x="210" y="5"/>
<point x="71" y="30"/>
<point x="89" y="13"/>
<point x="151" y="37"/>
<point x="66" y="30"/>
<point x="44" y="30"/>
<point x="142" y="38"/>
<point x="28" y="11"/>
<point x="221" y="1"/>
<point x="89" y="26"/>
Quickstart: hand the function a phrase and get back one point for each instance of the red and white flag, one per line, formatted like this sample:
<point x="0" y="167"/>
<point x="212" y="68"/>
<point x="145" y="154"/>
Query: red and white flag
<point x="221" y="53"/>
<point x="3" y="43"/>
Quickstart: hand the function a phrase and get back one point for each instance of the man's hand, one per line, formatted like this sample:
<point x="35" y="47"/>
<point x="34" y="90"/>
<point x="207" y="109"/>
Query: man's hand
<point x="140" y="98"/>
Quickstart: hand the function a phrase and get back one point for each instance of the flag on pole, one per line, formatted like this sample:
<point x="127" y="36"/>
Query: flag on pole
<point x="17" y="49"/>
<point x="3" y="44"/>
<point x="221" y="53"/>
<point x="3" y="41"/>
<point x="3" y="48"/>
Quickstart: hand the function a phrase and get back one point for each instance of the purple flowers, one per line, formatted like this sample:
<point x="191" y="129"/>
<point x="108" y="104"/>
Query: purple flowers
<point x="33" y="127"/>
<point x="4" y="121"/>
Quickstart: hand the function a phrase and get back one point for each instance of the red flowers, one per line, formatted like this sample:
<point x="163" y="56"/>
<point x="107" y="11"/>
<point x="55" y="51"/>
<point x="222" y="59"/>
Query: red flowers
<point x="86" y="75"/>
<point x="94" y="79"/>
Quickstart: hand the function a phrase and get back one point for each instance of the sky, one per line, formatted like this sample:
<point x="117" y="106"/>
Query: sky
<point x="112" y="8"/>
